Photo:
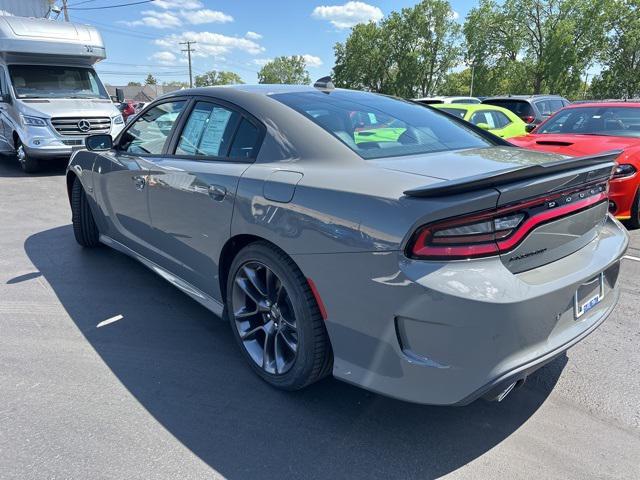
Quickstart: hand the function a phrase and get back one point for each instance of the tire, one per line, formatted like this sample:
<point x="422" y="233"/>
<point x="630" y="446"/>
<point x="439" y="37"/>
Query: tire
<point x="84" y="226"/>
<point x="291" y="315"/>
<point x="27" y="162"/>
<point x="634" y="221"/>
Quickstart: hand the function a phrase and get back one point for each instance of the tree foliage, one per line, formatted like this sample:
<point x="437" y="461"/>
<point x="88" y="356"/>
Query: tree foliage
<point x="287" y="70"/>
<point x="151" y="80"/>
<point x="215" y="77"/>
<point x="620" y="58"/>
<point x="134" y="84"/>
<point x="407" y="54"/>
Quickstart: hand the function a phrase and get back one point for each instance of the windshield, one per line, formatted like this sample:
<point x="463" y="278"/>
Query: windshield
<point x="376" y="126"/>
<point x="48" y="81"/>
<point x="614" y="121"/>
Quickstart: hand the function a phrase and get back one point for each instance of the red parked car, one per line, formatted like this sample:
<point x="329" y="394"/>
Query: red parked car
<point x="589" y="128"/>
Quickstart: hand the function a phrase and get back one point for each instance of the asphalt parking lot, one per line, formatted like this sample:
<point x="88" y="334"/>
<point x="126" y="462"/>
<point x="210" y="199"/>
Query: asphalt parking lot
<point x="162" y="392"/>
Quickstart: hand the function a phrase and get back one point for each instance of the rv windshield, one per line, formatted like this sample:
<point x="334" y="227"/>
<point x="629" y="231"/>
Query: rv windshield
<point x="53" y="81"/>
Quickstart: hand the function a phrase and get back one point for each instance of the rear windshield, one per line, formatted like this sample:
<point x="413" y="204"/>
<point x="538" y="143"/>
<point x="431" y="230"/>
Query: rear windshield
<point x="375" y="126"/>
<point x="456" y="112"/>
<point x="519" y="107"/>
<point x="614" y="121"/>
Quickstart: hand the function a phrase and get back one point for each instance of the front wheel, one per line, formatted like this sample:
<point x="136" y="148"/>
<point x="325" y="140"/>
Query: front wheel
<point x="275" y="318"/>
<point x="27" y="162"/>
<point x="84" y="226"/>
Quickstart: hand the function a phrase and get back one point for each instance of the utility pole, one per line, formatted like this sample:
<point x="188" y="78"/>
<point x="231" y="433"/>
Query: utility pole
<point x="473" y="70"/>
<point x="64" y="9"/>
<point x="188" y="43"/>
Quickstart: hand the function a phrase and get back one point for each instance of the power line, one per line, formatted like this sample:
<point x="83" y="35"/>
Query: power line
<point x="82" y="3"/>
<point x="112" y="6"/>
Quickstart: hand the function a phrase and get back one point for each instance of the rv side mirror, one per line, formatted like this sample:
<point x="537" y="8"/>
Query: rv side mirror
<point x="529" y="127"/>
<point x="98" y="143"/>
<point x="120" y="95"/>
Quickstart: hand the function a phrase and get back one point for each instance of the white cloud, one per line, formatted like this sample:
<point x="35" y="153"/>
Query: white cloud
<point x="209" y="43"/>
<point x="164" y="58"/>
<point x="155" y="19"/>
<point x="349" y="14"/>
<point x="312" y="61"/>
<point x="198" y="17"/>
<point x="178" y="4"/>
<point x="253" y="35"/>
<point x="261" y="62"/>
<point x="454" y="15"/>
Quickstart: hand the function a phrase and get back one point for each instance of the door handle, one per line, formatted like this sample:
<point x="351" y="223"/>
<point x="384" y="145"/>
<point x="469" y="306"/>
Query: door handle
<point x="217" y="192"/>
<point x="139" y="182"/>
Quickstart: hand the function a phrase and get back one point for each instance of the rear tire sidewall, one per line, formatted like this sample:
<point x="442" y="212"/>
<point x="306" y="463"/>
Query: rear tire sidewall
<point x="299" y="374"/>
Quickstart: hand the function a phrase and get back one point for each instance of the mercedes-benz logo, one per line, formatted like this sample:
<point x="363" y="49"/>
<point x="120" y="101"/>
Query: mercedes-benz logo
<point x="84" y="125"/>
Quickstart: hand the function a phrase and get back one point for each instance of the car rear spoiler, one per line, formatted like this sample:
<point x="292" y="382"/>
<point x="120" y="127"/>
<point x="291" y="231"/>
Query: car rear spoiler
<point x="605" y="160"/>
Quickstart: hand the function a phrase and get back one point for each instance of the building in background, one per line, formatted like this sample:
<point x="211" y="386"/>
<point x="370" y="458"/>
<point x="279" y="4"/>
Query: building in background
<point x="141" y="93"/>
<point x="25" y="8"/>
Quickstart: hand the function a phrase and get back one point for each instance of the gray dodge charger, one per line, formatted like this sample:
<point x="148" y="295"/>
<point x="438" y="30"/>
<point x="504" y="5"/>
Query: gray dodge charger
<point x="348" y="233"/>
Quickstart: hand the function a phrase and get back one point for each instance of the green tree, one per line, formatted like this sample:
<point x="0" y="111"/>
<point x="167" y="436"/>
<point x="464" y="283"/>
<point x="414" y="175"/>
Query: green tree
<point x="621" y="56"/>
<point x="151" y="80"/>
<point x="215" y="77"/>
<point x="535" y="46"/>
<point x="407" y="54"/>
<point x="176" y="83"/>
<point x="134" y="84"/>
<point x="287" y="70"/>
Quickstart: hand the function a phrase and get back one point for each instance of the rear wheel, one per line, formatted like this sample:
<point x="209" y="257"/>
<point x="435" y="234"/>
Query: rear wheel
<point x="27" y="162"/>
<point x="84" y="226"/>
<point x="275" y="318"/>
<point x="634" y="221"/>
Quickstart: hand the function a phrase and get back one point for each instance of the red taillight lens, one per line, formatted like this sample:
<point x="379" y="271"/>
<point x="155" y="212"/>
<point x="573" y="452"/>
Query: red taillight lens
<point x="498" y="231"/>
<point x="528" y="118"/>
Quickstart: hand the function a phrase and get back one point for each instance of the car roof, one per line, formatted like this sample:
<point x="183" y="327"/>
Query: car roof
<point x="632" y="104"/>
<point x="472" y="106"/>
<point x="260" y="89"/>
<point x="522" y="97"/>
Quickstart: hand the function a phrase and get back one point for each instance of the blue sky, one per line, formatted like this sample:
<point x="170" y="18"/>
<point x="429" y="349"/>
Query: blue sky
<point x="238" y="36"/>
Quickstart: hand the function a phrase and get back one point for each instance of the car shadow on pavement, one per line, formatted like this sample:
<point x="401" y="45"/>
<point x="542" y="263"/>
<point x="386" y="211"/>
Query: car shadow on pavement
<point x="10" y="167"/>
<point x="181" y="364"/>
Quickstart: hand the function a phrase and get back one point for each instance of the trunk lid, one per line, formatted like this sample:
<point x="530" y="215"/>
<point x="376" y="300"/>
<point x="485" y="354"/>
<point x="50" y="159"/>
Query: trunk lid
<point x="563" y="200"/>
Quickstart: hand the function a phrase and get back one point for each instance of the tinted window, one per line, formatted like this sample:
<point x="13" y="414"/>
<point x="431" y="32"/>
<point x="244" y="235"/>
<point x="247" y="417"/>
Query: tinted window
<point x="519" y="107"/>
<point x="466" y="100"/>
<point x="430" y="101"/>
<point x="208" y="131"/>
<point x="500" y="119"/>
<point x="549" y="107"/>
<point x="457" y="112"/>
<point x="148" y="133"/>
<point x="615" y="121"/>
<point x="400" y="127"/>
<point x="483" y="116"/>
<point x="245" y="141"/>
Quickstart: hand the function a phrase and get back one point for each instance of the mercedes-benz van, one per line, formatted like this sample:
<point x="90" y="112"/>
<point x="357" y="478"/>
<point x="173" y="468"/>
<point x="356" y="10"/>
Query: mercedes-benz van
<point x="50" y="96"/>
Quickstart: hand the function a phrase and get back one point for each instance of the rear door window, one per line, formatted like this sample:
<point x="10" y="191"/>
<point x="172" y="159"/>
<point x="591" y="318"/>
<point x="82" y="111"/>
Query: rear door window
<point x="483" y="116"/>
<point x="208" y="131"/>
<point x="457" y="112"/>
<point x="245" y="142"/>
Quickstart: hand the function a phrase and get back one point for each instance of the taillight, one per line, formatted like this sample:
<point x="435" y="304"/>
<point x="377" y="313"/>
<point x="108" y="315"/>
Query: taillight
<point x="498" y="231"/>
<point x="624" y="170"/>
<point x="528" y="118"/>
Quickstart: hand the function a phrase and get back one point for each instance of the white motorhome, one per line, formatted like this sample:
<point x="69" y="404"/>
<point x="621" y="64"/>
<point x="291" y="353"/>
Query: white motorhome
<point x="50" y="96"/>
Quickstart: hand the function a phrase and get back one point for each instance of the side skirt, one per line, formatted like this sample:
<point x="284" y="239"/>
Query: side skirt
<point x="198" y="295"/>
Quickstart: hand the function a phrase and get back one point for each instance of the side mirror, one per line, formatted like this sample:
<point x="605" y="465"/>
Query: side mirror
<point x="120" y="95"/>
<point x="484" y="126"/>
<point x="529" y="127"/>
<point x="98" y="143"/>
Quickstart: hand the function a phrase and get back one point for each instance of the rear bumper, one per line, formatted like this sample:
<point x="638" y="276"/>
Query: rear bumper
<point x="448" y="333"/>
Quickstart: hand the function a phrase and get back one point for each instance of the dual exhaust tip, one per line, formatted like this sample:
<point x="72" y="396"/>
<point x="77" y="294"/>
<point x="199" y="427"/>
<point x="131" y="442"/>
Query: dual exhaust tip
<point x="499" y="393"/>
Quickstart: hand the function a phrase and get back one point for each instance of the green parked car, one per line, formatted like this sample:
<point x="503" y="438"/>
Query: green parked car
<point x="497" y="120"/>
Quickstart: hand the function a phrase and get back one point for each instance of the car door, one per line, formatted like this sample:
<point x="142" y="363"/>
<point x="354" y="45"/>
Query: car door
<point x="123" y="175"/>
<point x="192" y="189"/>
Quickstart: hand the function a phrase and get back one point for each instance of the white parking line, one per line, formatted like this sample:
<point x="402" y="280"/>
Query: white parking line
<point x="630" y="257"/>
<point x="109" y="320"/>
